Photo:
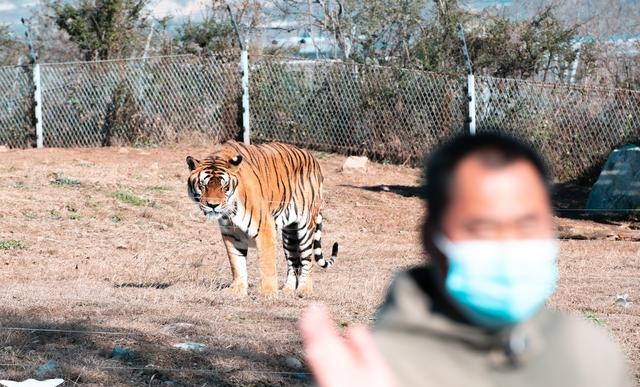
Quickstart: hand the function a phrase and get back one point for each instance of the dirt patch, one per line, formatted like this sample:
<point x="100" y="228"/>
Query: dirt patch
<point x="101" y="248"/>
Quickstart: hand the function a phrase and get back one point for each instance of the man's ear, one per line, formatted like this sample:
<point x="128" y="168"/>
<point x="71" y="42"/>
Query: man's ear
<point x="235" y="160"/>
<point x="192" y="163"/>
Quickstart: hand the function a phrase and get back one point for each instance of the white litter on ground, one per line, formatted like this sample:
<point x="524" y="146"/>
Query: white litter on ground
<point x="32" y="383"/>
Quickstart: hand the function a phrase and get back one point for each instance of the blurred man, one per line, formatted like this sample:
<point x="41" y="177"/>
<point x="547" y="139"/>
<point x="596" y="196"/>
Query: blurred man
<point x="474" y="316"/>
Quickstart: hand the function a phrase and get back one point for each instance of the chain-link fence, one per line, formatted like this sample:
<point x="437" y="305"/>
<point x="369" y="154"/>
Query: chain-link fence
<point x="16" y="107"/>
<point x="398" y="114"/>
<point x="575" y="128"/>
<point x="138" y="102"/>
<point x="385" y="113"/>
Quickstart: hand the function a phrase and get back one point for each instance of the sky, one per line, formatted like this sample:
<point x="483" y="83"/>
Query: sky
<point x="12" y="10"/>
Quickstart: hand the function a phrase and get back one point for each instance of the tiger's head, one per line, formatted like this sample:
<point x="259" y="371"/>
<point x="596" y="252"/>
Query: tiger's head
<point x="213" y="182"/>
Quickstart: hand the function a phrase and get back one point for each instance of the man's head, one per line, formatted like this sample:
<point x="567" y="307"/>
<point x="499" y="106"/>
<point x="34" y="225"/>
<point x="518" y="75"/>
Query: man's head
<point x="487" y="186"/>
<point x="489" y="226"/>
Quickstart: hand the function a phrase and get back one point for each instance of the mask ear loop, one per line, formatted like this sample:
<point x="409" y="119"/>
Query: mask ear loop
<point x="444" y="246"/>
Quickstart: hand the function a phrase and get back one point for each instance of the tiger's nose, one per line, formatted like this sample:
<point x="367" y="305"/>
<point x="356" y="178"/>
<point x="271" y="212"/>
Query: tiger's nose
<point x="212" y="206"/>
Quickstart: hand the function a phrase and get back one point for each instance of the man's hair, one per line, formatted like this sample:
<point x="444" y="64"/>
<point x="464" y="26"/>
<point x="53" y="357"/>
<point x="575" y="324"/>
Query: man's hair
<point x="493" y="150"/>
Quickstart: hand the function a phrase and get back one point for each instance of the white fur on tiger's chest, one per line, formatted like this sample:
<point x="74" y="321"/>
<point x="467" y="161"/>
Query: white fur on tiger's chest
<point x="228" y="227"/>
<point x="242" y="220"/>
<point x="287" y="216"/>
<point x="241" y="224"/>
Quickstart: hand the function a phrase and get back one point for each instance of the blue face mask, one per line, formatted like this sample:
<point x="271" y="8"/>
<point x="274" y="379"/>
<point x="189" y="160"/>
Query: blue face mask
<point x="496" y="284"/>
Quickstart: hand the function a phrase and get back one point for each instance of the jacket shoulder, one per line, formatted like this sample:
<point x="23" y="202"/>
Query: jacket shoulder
<point x="591" y="348"/>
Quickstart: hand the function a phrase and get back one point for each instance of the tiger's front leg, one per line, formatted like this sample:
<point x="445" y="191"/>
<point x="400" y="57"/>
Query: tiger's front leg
<point x="291" y="247"/>
<point x="266" y="245"/>
<point x="237" y="252"/>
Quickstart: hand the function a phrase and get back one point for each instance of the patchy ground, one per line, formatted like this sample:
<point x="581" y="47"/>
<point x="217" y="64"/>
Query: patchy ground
<point x="101" y="249"/>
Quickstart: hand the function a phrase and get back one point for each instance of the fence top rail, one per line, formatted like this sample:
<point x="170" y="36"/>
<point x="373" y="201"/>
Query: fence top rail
<point x="16" y="66"/>
<point x="558" y="85"/>
<point x="338" y="62"/>
<point x="222" y="54"/>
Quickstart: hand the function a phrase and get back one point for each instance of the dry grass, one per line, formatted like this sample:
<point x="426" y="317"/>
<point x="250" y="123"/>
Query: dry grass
<point x="106" y="241"/>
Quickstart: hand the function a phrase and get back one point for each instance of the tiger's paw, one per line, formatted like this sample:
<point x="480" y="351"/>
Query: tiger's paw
<point x="305" y="289"/>
<point x="290" y="285"/>
<point x="236" y="289"/>
<point x="268" y="289"/>
<point x="288" y="291"/>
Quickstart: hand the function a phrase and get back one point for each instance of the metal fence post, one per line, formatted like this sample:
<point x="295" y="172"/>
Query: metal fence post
<point x="471" y="86"/>
<point x="244" y="68"/>
<point x="37" y="99"/>
<point x="471" y="93"/>
<point x="37" y="89"/>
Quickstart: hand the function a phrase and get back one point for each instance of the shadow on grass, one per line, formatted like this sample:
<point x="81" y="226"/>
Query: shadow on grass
<point x="408" y="191"/>
<point x="84" y="354"/>
<point x="568" y="200"/>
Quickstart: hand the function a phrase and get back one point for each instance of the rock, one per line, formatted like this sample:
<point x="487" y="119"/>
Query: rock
<point x="191" y="346"/>
<point x="121" y="353"/>
<point x="123" y="150"/>
<point x="47" y="367"/>
<point x="355" y="163"/>
<point x="302" y="376"/>
<point x="4" y="148"/>
<point x="623" y="300"/>
<point x="121" y="245"/>
<point x="293" y="362"/>
<point x="177" y="327"/>
<point x="618" y="186"/>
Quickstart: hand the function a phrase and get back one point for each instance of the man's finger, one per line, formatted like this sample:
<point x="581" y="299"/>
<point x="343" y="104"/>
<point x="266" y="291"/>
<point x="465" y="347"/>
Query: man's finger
<point x="363" y="346"/>
<point x="322" y="343"/>
<point x="326" y="353"/>
<point x="316" y="324"/>
<point x="367" y="354"/>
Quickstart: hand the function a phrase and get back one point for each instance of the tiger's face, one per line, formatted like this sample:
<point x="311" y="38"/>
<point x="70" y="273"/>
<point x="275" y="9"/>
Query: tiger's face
<point x="212" y="185"/>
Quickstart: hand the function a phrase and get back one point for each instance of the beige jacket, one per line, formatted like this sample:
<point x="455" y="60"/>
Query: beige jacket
<point x="427" y="343"/>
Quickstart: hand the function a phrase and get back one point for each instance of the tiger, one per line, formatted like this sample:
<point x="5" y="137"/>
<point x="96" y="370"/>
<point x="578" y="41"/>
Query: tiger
<point x="254" y="190"/>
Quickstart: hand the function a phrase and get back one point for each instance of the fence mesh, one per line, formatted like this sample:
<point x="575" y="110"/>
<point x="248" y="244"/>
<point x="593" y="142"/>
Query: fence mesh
<point x="16" y="123"/>
<point x="138" y="102"/>
<point x="385" y="113"/>
<point x="575" y="128"/>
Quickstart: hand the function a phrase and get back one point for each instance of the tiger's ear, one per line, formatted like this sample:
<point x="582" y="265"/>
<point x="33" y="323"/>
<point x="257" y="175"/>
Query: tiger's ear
<point x="235" y="160"/>
<point x="192" y="163"/>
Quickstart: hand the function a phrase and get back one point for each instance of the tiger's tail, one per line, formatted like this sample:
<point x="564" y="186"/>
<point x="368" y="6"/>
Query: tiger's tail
<point x="317" y="247"/>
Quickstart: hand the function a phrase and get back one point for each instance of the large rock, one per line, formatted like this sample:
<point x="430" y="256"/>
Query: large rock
<point x="355" y="163"/>
<point x="618" y="186"/>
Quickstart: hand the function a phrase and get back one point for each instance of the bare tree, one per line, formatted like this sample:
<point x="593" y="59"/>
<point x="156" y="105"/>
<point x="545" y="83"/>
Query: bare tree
<point x="51" y="43"/>
<point x="214" y="32"/>
<point x="538" y="47"/>
<point x="103" y="29"/>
